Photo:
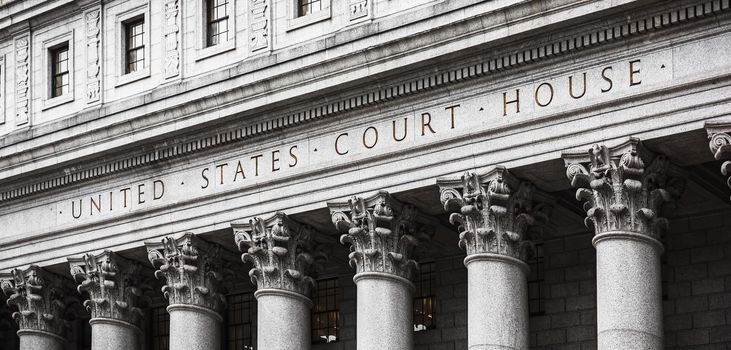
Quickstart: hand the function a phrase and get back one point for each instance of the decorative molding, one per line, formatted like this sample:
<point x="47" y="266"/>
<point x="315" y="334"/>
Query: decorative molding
<point x="3" y="84"/>
<point x="719" y="136"/>
<point x="381" y="232"/>
<point x="620" y="192"/>
<point x="22" y="80"/>
<point x="93" y="55"/>
<point x="172" y="40"/>
<point x="39" y="296"/>
<point x="259" y="15"/>
<point x="358" y="9"/>
<point x="284" y="253"/>
<point x="113" y="283"/>
<point x="494" y="211"/>
<point x="165" y="151"/>
<point x="192" y="269"/>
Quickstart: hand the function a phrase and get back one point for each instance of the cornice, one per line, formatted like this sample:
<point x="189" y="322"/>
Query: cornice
<point x="599" y="36"/>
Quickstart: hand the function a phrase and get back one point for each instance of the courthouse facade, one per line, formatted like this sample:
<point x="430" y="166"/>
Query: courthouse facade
<point x="365" y="174"/>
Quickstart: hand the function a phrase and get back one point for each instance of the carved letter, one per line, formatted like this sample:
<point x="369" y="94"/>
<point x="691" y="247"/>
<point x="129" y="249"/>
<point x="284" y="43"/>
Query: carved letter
<point x="633" y="72"/>
<point x="405" y="131"/>
<point x="550" y="89"/>
<point x="506" y="102"/>
<point x="425" y="120"/>
<point x="571" y="86"/>
<point x="606" y="78"/>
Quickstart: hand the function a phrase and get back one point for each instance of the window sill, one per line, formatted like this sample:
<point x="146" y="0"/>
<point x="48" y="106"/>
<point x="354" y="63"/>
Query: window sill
<point x="211" y="51"/>
<point x="299" y="22"/>
<point x="132" y="77"/>
<point x="57" y="101"/>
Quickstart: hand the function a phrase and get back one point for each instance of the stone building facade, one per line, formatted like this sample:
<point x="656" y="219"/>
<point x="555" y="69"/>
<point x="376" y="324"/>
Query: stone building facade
<point x="365" y="174"/>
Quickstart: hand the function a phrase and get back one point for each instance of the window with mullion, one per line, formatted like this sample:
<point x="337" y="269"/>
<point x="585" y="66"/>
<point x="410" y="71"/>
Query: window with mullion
<point x="306" y="7"/>
<point x="424" y="298"/>
<point x="159" y="329"/>
<point x="217" y="22"/>
<point x="60" y="71"/>
<point x="135" y="45"/>
<point x="536" y="290"/>
<point x="239" y="321"/>
<point x="325" y="313"/>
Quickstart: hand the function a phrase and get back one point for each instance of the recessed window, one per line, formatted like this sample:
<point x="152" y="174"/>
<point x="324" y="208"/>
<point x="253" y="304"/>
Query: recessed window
<point x="134" y="34"/>
<point x="60" y="70"/>
<point x="306" y="7"/>
<point x="239" y="321"/>
<point x="325" y="312"/>
<point x="159" y="329"/>
<point x="424" y="298"/>
<point x="536" y="290"/>
<point x="216" y="22"/>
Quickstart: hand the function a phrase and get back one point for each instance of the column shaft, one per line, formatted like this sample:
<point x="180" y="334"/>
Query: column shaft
<point x="629" y="297"/>
<point x="497" y="305"/>
<point x="194" y="328"/>
<point x="35" y="340"/>
<point x="384" y="312"/>
<point x="111" y="334"/>
<point x="283" y="320"/>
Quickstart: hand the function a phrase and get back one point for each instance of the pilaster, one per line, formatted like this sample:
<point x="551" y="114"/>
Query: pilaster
<point x="113" y="283"/>
<point x="39" y="296"/>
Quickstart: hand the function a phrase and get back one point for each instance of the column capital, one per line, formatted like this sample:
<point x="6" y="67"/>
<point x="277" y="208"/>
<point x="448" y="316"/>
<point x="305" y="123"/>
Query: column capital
<point x="493" y="211"/>
<point x="621" y="192"/>
<point x="113" y="283"/>
<point x="39" y="296"/>
<point x="192" y="269"/>
<point x="719" y="141"/>
<point x="284" y="253"/>
<point x="381" y="231"/>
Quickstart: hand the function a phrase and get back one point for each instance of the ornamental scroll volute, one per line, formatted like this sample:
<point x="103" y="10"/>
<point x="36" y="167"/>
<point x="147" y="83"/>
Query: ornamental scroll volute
<point x="719" y="136"/>
<point x="113" y="283"/>
<point x="192" y="268"/>
<point x="284" y="253"/>
<point x="494" y="211"/>
<point x="620" y="191"/>
<point x="382" y="233"/>
<point x="40" y="298"/>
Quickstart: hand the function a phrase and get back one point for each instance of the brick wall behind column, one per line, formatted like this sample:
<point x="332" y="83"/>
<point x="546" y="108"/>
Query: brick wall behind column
<point x="697" y="283"/>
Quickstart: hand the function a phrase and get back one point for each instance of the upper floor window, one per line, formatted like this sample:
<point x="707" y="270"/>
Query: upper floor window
<point x="325" y="312"/>
<point x="306" y="7"/>
<point x="239" y="321"/>
<point x="60" y="70"/>
<point x="424" y="298"/>
<point x="217" y="14"/>
<point x="134" y="34"/>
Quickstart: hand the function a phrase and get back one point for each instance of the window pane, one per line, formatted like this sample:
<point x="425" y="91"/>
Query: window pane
<point x="325" y="311"/>
<point x="135" y="50"/>
<point x="59" y="70"/>
<point x="240" y="328"/>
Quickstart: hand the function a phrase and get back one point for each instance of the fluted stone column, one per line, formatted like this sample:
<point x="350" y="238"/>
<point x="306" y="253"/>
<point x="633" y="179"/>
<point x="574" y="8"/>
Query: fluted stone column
<point x="283" y="253"/>
<point x="113" y="285"/>
<point x="382" y="233"/>
<point x="193" y="270"/>
<point x="493" y="211"/>
<point x="38" y="295"/>
<point x="623" y="199"/>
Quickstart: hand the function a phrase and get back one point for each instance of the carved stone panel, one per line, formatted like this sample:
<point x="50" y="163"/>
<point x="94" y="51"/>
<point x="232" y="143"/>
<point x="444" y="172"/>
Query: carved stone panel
<point x="22" y="80"/>
<point x="192" y="269"/>
<point x="39" y="296"/>
<point x="381" y="232"/>
<point x="620" y="192"/>
<point x="494" y="211"/>
<point x="284" y="253"/>
<point x="259" y="26"/>
<point x="113" y="284"/>
<point x="172" y="38"/>
<point x="93" y="55"/>
<point x="3" y="78"/>
<point x="358" y="9"/>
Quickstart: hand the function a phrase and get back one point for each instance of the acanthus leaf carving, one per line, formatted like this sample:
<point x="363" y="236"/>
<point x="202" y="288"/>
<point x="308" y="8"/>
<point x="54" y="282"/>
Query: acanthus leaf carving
<point x="620" y="192"/>
<point x="113" y="283"/>
<point x="494" y="211"/>
<point x="259" y="15"/>
<point x="93" y="55"/>
<point x="39" y="296"/>
<point x="382" y="233"/>
<point x="284" y="253"/>
<point x="192" y="269"/>
<point x="172" y="40"/>
<point x="22" y="80"/>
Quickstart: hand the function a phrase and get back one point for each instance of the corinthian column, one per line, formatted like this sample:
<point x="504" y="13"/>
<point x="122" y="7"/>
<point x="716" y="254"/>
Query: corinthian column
<point x="113" y="284"/>
<point x="623" y="198"/>
<point x="38" y="294"/>
<point x="283" y="254"/>
<point x="492" y="212"/>
<point x="382" y="233"/>
<point x="192" y="270"/>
